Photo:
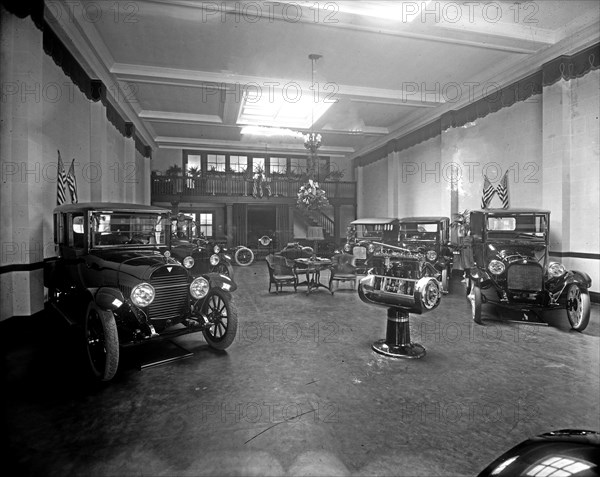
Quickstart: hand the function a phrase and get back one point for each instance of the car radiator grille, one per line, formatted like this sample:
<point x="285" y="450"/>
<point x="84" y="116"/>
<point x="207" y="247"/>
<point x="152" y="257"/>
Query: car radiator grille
<point x="525" y="277"/>
<point x="171" y="290"/>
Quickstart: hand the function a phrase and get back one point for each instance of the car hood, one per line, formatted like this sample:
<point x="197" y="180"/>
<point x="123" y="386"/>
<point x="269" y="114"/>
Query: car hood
<point x="509" y="252"/>
<point x="139" y="263"/>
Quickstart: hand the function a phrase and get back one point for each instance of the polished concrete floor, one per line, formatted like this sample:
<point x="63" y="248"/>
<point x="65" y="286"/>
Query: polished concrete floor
<point x="301" y="393"/>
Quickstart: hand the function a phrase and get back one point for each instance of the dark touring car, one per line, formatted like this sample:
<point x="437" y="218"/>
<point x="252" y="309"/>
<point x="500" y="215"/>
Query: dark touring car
<point x="114" y="277"/>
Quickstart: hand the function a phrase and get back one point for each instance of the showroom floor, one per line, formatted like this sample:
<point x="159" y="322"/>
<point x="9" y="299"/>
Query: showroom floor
<point x="301" y="393"/>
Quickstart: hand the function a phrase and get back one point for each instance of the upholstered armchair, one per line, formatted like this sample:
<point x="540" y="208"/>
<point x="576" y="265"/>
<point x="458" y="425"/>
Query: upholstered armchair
<point x="343" y="269"/>
<point x="281" y="272"/>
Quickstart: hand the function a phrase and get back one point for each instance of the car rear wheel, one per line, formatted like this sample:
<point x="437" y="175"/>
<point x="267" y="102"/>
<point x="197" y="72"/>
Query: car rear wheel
<point x="243" y="256"/>
<point x="475" y="298"/>
<point x="578" y="307"/>
<point x="102" y="342"/>
<point x="221" y="312"/>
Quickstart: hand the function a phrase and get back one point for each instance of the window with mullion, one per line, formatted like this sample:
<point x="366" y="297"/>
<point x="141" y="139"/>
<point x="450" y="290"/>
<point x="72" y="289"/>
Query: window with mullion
<point x="278" y="165"/>
<point x="238" y="163"/>
<point x="205" y="224"/>
<point x="216" y="162"/>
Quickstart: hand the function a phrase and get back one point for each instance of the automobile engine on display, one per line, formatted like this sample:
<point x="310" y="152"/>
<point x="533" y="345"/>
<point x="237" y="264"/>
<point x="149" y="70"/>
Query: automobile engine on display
<point x="405" y="283"/>
<point x="399" y="278"/>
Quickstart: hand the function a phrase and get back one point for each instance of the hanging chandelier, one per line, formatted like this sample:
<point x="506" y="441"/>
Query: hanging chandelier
<point x="312" y="142"/>
<point x="311" y="196"/>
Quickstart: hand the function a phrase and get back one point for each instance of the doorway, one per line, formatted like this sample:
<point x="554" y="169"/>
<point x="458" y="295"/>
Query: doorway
<point x="261" y="221"/>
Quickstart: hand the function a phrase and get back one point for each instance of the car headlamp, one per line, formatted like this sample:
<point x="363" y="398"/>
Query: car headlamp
<point x="216" y="249"/>
<point x="142" y="295"/>
<point x="188" y="262"/>
<point x="371" y="248"/>
<point x="431" y="255"/>
<point x="556" y="269"/>
<point x="347" y="248"/>
<point x="199" y="288"/>
<point x="496" y="267"/>
<point x="214" y="259"/>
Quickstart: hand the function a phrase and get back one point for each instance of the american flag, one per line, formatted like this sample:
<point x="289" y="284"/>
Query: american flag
<point x="488" y="193"/>
<point x="502" y="190"/>
<point x="61" y="181"/>
<point x="72" y="182"/>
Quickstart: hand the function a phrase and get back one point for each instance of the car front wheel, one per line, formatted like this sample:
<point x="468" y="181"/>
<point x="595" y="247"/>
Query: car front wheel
<point x="221" y="312"/>
<point x="578" y="307"/>
<point x="223" y="269"/>
<point x="102" y="342"/>
<point x="475" y="298"/>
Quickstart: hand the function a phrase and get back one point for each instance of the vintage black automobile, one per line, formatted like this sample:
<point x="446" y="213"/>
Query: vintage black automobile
<point x="115" y="277"/>
<point x="429" y="236"/>
<point x="365" y="235"/>
<point x="196" y="252"/>
<point x="507" y="257"/>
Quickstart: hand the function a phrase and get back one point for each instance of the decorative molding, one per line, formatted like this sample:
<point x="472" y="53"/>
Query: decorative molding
<point x="508" y="38"/>
<point x="93" y="89"/>
<point x="219" y="81"/>
<point x="565" y="67"/>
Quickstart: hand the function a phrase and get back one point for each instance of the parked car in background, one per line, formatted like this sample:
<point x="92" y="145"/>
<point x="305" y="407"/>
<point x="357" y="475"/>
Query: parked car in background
<point x="367" y="234"/>
<point x="508" y="264"/>
<point x="115" y="278"/>
<point x="197" y="253"/>
<point x="429" y="236"/>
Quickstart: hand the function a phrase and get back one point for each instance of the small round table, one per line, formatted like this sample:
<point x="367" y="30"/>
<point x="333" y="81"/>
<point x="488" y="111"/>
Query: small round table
<point x="312" y="268"/>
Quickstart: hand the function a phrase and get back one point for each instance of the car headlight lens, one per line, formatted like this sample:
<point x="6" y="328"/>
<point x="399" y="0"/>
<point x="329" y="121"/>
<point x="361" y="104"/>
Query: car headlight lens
<point x="371" y="248"/>
<point x="188" y="262"/>
<point x="347" y="247"/>
<point x="431" y="255"/>
<point x="142" y="295"/>
<point x="216" y="249"/>
<point x="214" y="260"/>
<point x="199" y="288"/>
<point x="496" y="267"/>
<point x="556" y="269"/>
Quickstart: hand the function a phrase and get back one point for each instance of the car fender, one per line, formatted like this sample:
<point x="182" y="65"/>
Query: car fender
<point x="581" y="278"/>
<point x="227" y="265"/>
<point x="216" y="280"/>
<point x="108" y="298"/>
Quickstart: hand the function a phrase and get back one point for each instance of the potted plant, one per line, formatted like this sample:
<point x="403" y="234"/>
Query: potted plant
<point x="335" y="175"/>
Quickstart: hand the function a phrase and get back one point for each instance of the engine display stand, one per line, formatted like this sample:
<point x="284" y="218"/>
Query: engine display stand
<point x="397" y="342"/>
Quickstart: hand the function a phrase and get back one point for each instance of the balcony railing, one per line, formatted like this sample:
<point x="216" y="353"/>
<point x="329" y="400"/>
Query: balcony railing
<point x="227" y="185"/>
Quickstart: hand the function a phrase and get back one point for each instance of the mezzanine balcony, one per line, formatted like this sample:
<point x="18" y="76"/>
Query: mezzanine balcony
<point x="224" y="187"/>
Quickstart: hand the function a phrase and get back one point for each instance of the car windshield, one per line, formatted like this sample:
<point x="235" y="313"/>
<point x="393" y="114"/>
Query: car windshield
<point x="517" y="226"/>
<point x="183" y="228"/>
<point x="128" y="228"/>
<point x="374" y="231"/>
<point x="418" y="231"/>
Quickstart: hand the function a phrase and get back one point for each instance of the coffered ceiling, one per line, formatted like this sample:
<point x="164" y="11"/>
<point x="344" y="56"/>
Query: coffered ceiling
<point x="181" y="70"/>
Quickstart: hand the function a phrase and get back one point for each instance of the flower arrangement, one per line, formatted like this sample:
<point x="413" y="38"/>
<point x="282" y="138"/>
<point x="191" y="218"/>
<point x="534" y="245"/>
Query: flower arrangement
<point x="311" y="196"/>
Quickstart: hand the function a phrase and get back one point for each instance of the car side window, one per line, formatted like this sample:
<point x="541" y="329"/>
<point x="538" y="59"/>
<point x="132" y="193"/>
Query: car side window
<point x="77" y="232"/>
